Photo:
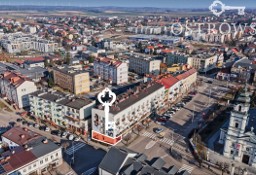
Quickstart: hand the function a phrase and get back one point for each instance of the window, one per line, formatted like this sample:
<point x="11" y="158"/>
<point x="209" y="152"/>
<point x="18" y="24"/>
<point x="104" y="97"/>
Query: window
<point x="56" y="154"/>
<point x="231" y="152"/>
<point x="236" y="125"/>
<point x="239" y="108"/>
<point x="34" y="165"/>
<point x="51" y="156"/>
<point x="41" y="162"/>
<point x="46" y="159"/>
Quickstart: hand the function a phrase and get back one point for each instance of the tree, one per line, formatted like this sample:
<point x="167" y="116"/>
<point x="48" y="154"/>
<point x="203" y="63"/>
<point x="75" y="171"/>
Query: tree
<point x="91" y="59"/>
<point x="68" y="58"/>
<point x="65" y="145"/>
<point x="127" y="138"/>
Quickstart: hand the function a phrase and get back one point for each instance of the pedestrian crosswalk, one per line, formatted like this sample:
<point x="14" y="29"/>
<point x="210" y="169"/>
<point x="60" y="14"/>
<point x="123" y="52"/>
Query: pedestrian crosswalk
<point x="148" y="134"/>
<point x="153" y="136"/>
<point x="74" y="148"/>
<point x="168" y="141"/>
<point x="187" y="168"/>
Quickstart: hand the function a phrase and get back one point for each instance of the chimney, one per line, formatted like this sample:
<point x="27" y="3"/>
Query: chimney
<point x="45" y="141"/>
<point x="22" y="136"/>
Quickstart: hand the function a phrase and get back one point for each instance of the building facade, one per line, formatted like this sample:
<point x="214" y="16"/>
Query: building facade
<point x="144" y="65"/>
<point x="34" y="154"/>
<point x="62" y="110"/>
<point x="74" y="80"/>
<point x="239" y="136"/>
<point x="18" y="42"/>
<point x="204" y="62"/>
<point x="176" y="58"/>
<point x="16" y="88"/>
<point x="111" y="70"/>
<point x="129" y="108"/>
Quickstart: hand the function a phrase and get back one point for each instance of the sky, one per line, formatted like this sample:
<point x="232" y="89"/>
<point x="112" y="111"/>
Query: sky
<point x="130" y="3"/>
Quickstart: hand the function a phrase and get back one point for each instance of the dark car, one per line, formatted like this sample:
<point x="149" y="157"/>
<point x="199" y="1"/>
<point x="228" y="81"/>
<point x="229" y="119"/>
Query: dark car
<point x="24" y="122"/>
<point x="19" y="120"/>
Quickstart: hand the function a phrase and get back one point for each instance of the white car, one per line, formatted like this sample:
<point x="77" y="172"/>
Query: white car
<point x="77" y="138"/>
<point x="47" y="129"/>
<point x="71" y="137"/>
<point x="64" y="134"/>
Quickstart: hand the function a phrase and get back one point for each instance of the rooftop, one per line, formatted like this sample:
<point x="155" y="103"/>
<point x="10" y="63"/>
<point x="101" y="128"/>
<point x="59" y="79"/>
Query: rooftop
<point x="129" y="98"/>
<point x="69" y="71"/>
<point x="62" y="99"/>
<point x="20" y="135"/>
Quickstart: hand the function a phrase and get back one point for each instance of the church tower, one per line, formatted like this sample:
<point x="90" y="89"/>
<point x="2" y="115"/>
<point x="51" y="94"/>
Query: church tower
<point x="237" y="123"/>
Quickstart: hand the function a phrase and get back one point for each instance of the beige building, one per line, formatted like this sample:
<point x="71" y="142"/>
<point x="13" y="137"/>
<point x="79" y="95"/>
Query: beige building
<point x="74" y="80"/>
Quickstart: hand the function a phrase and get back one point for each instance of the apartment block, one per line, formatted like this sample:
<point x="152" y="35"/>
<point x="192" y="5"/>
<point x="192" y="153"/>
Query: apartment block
<point x="18" y="42"/>
<point x="62" y="110"/>
<point x="130" y="108"/>
<point x="144" y="65"/>
<point x="205" y="62"/>
<point x="74" y="80"/>
<point x="114" y="71"/>
<point x="32" y="154"/>
<point x="15" y="88"/>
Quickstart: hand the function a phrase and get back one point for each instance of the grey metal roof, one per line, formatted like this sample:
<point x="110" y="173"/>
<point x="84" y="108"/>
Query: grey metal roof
<point x="158" y="163"/>
<point x="40" y="149"/>
<point x="113" y="160"/>
<point x="135" y="98"/>
<point x="63" y="99"/>
<point x="173" y="170"/>
<point x="147" y="170"/>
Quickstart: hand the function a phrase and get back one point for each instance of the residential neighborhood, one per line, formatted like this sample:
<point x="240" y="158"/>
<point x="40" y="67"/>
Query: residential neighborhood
<point x="127" y="88"/>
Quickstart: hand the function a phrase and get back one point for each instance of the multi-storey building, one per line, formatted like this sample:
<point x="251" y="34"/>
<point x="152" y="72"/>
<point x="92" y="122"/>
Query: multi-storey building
<point x="18" y="42"/>
<point x="114" y="71"/>
<point x="172" y="86"/>
<point x="62" y="110"/>
<point x="129" y="108"/>
<point x="239" y="137"/>
<point x="144" y="65"/>
<point x="176" y="58"/>
<point x="32" y="153"/>
<point x="16" y="88"/>
<point x="74" y="80"/>
<point x="187" y="80"/>
<point x="205" y="62"/>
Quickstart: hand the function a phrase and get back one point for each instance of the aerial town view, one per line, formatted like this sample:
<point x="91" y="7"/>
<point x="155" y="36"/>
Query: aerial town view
<point x="138" y="87"/>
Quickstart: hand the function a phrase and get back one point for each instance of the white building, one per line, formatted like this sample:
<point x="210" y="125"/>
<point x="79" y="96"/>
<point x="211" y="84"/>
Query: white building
<point x="18" y="42"/>
<point x="205" y="62"/>
<point x="114" y="71"/>
<point x="129" y="108"/>
<point x="66" y="111"/>
<point x="16" y="88"/>
<point x="144" y="65"/>
<point x="239" y="137"/>
<point x="32" y="153"/>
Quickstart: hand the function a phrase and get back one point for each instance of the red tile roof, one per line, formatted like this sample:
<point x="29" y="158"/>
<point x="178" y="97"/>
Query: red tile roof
<point x="16" y="160"/>
<point x="168" y="81"/>
<point x="109" y="61"/>
<point x="20" y="135"/>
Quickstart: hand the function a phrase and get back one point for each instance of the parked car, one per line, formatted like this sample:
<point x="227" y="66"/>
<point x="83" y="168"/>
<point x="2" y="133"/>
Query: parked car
<point x="64" y="134"/>
<point x="158" y="130"/>
<point x="30" y="124"/>
<point x="71" y="137"/>
<point x="36" y="125"/>
<point x="19" y="120"/>
<point x="47" y="129"/>
<point x="77" y="138"/>
<point x="24" y="122"/>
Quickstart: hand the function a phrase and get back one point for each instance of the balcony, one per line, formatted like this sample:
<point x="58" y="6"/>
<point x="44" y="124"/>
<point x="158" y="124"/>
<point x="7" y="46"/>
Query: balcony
<point x="72" y="118"/>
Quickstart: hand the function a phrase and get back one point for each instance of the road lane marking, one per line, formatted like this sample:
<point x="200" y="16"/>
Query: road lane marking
<point x="187" y="168"/>
<point x="150" y="144"/>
